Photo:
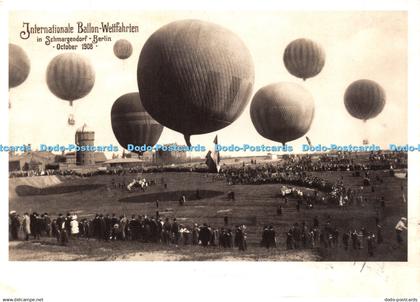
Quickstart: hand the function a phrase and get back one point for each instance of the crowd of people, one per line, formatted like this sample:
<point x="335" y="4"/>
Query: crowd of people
<point x="293" y="169"/>
<point x="346" y="161"/>
<point x="137" y="228"/>
<point x="290" y="163"/>
<point x="329" y="236"/>
<point x="166" y="231"/>
<point x="119" y="171"/>
<point x="269" y="174"/>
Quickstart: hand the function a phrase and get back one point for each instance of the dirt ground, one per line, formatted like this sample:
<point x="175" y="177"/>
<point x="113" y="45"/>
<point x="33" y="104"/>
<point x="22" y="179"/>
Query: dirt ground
<point x="255" y="206"/>
<point x="88" y="250"/>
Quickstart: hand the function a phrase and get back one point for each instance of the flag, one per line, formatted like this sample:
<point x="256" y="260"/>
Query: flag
<point x="213" y="158"/>
<point x="309" y="141"/>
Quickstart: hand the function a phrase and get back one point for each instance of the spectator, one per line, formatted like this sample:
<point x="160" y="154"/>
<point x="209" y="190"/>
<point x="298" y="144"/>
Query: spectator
<point x="399" y="228"/>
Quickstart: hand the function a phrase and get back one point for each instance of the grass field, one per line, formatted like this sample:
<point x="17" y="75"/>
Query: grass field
<point x="255" y="206"/>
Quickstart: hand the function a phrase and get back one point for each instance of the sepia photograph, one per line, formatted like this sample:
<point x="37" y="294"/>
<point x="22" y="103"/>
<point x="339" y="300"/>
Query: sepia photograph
<point x="191" y="136"/>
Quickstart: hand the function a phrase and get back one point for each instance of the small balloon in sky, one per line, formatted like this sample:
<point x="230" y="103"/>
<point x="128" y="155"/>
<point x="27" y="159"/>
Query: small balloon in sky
<point x="304" y="58"/>
<point x="364" y="99"/>
<point x="123" y="49"/>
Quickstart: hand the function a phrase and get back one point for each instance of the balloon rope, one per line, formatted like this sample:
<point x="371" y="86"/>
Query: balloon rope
<point x="73" y="109"/>
<point x="187" y="139"/>
<point x="365" y="133"/>
<point x="72" y="114"/>
<point x="368" y="133"/>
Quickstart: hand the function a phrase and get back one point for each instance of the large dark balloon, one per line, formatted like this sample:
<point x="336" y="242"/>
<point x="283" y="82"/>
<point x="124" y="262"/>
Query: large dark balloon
<point x="123" y="49"/>
<point x="304" y="58"/>
<point x="132" y="124"/>
<point x="70" y="76"/>
<point x="195" y="77"/>
<point x="282" y="112"/>
<point x="19" y="65"/>
<point x="364" y="99"/>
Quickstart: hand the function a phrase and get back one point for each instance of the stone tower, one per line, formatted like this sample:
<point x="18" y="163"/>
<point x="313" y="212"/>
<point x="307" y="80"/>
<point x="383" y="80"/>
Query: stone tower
<point x="85" y="137"/>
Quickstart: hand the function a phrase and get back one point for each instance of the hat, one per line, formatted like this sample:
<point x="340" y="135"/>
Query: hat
<point x="12" y="212"/>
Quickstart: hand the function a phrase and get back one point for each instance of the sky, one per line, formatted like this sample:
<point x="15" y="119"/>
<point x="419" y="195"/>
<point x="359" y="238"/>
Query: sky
<point x="358" y="45"/>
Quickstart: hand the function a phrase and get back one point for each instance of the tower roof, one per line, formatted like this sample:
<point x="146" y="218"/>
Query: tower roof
<point x="84" y="128"/>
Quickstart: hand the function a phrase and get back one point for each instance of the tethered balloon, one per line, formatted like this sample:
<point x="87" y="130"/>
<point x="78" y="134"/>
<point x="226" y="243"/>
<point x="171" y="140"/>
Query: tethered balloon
<point x="304" y="58"/>
<point x="70" y="76"/>
<point x="123" y="49"/>
<point x="364" y="99"/>
<point x="195" y="77"/>
<point x="131" y="123"/>
<point x="282" y="111"/>
<point x="19" y="65"/>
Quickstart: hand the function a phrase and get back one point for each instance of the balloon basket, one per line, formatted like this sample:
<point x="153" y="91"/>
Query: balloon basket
<point x="70" y="120"/>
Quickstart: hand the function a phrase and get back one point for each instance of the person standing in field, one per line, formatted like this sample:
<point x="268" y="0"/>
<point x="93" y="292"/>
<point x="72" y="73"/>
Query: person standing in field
<point x="370" y="244"/>
<point x="102" y="227"/>
<point x="271" y="236"/>
<point x="195" y="233"/>
<point x="26" y="226"/>
<point x="265" y="234"/>
<point x="123" y="226"/>
<point x="47" y="223"/>
<point x="289" y="239"/>
<point x="379" y="237"/>
<point x="204" y="235"/>
<point x="399" y="228"/>
<point x="74" y="225"/>
<point x="182" y="200"/>
<point x="311" y="238"/>
<point x="67" y="225"/>
<point x="108" y="227"/>
<point x="175" y="231"/>
<point x="346" y="239"/>
<point x="95" y="226"/>
<point x="242" y="245"/>
<point x="114" y="230"/>
<point x="355" y="239"/>
<point x="54" y="230"/>
<point x="14" y="225"/>
<point x="58" y="224"/>
<point x="167" y="228"/>
<point x="32" y="224"/>
<point x="64" y="239"/>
